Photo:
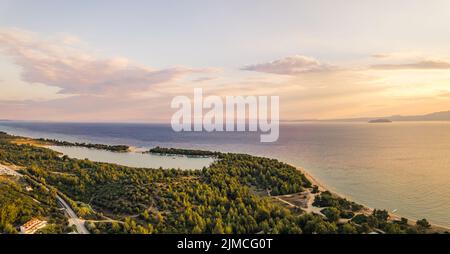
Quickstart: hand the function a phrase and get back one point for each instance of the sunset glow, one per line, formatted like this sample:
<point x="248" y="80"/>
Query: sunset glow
<point x="342" y="61"/>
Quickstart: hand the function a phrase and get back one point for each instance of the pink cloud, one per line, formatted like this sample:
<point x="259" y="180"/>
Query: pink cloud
<point x="291" y="65"/>
<point x="426" y="64"/>
<point x="62" y="63"/>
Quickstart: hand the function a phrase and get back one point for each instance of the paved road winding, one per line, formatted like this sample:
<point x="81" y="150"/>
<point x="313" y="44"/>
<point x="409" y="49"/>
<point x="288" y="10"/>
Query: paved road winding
<point x="73" y="218"/>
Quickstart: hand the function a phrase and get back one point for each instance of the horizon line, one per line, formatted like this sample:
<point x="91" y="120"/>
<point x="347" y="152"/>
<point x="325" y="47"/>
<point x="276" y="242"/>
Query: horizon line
<point x="361" y="118"/>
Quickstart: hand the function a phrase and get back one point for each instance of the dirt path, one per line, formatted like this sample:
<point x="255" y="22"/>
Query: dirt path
<point x="106" y="221"/>
<point x="309" y="204"/>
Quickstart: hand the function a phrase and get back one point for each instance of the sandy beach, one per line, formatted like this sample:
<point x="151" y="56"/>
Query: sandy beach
<point x="366" y="210"/>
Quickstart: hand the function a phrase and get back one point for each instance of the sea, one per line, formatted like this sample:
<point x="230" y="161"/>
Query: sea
<point x="403" y="167"/>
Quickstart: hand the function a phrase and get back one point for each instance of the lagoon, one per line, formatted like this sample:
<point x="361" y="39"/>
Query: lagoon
<point x="135" y="159"/>
<point x="400" y="166"/>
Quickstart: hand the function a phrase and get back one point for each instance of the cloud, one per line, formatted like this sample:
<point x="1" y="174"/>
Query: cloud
<point x="291" y="65"/>
<point x="204" y="79"/>
<point x="381" y="55"/>
<point x="63" y="62"/>
<point x="410" y="60"/>
<point x="409" y="55"/>
<point x="426" y="64"/>
<point x="445" y="94"/>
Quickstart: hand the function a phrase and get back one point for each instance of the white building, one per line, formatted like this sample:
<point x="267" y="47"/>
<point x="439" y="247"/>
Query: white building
<point x="32" y="226"/>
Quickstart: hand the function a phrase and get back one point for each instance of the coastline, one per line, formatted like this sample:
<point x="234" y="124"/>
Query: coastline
<point x="314" y="180"/>
<point x="311" y="178"/>
<point x="367" y="210"/>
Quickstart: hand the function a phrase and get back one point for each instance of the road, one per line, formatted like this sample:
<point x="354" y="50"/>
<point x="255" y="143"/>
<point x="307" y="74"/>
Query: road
<point x="73" y="218"/>
<point x="5" y="170"/>
<point x="106" y="221"/>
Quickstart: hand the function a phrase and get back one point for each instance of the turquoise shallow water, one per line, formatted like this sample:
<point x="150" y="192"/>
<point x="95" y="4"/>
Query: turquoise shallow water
<point x="403" y="166"/>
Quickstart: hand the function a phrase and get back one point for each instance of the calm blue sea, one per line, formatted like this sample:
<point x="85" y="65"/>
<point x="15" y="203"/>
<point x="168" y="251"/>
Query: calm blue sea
<point x="403" y="166"/>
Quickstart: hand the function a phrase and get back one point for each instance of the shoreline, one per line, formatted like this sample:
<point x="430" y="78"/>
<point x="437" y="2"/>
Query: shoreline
<point x="311" y="178"/>
<point x="314" y="181"/>
<point x="366" y="209"/>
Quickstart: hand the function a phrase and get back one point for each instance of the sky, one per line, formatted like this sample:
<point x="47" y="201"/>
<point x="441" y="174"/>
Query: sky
<point x="124" y="61"/>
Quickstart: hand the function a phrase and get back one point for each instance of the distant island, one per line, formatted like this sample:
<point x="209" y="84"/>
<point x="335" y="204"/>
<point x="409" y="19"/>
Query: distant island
<point x="436" y="116"/>
<point x="381" y="120"/>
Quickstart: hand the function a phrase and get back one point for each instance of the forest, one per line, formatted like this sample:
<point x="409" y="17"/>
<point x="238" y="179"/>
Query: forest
<point x="19" y="205"/>
<point x="112" y="148"/>
<point x="222" y="198"/>
<point x="177" y="151"/>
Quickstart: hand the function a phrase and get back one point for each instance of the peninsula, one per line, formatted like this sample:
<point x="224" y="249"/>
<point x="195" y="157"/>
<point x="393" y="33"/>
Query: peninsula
<point x="237" y="194"/>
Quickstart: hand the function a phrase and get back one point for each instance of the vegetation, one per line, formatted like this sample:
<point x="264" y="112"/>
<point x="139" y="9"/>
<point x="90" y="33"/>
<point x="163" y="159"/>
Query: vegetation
<point x="19" y="205"/>
<point x="222" y="198"/>
<point x="332" y="213"/>
<point x="112" y="148"/>
<point x="379" y="220"/>
<point x="162" y="150"/>
<point x="327" y="199"/>
<point x="423" y="225"/>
